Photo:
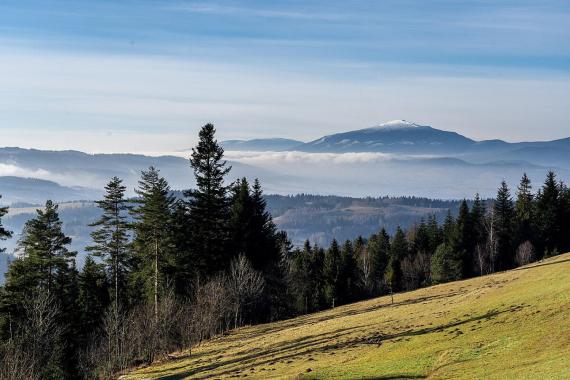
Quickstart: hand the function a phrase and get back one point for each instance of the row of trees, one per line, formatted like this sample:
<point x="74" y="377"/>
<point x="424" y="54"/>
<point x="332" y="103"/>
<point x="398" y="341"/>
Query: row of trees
<point x="484" y="238"/>
<point x="165" y="273"/>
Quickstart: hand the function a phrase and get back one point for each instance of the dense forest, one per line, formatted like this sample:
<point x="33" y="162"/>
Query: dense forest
<point x="166" y="273"/>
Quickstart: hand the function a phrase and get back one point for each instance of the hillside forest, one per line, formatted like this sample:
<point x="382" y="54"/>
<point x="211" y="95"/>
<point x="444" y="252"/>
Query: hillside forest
<point x="165" y="273"/>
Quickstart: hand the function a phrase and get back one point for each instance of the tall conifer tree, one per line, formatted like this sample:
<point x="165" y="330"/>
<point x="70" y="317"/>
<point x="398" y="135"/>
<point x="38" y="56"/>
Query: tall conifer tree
<point x="111" y="238"/>
<point x="524" y="210"/>
<point x="208" y="203"/>
<point x="332" y="273"/>
<point x="503" y="223"/>
<point x="549" y="214"/>
<point x="44" y="251"/>
<point x="153" y="233"/>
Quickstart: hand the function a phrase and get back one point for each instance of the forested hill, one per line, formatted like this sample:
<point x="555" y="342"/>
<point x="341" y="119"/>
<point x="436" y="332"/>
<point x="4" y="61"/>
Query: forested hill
<point x="316" y="218"/>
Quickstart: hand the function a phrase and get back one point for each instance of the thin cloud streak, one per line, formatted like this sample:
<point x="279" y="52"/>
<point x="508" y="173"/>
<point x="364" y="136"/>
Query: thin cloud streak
<point x="214" y="8"/>
<point x="138" y="96"/>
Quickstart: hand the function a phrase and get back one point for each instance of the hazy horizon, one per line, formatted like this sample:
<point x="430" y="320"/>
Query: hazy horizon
<point x="84" y="75"/>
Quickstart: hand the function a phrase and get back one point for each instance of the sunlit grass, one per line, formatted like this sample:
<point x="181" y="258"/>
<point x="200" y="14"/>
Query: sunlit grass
<point x="507" y="325"/>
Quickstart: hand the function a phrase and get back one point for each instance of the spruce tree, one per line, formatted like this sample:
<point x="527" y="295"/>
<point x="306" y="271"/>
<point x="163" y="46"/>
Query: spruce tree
<point x="111" y="238"/>
<point x="503" y="223"/>
<point x="332" y="273"/>
<point x="43" y="247"/>
<point x="153" y="234"/>
<point x="240" y="219"/>
<point x="398" y="251"/>
<point x="549" y="215"/>
<point x="316" y="275"/>
<point x="253" y="234"/>
<point x="299" y="279"/>
<point x="379" y="247"/>
<point x="93" y="296"/>
<point x="464" y="247"/>
<point x="420" y="243"/>
<point x="348" y="289"/>
<point x="264" y="250"/>
<point x="478" y="219"/>
<point x="435" y="235"/>
<point x="185" y="260"/>
<point x="46" y="268"/>
<point x="524" y="210"/>
<point x="208" y="203"/>
<point x="449" y="230"/>
<point x="446" y="265"/>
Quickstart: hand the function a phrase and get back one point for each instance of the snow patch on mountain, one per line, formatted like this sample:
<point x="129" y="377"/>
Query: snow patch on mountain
<point x="397" y="124"/>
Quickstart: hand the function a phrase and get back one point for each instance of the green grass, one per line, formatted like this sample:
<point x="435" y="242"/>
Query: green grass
<point x="511" y="325"/>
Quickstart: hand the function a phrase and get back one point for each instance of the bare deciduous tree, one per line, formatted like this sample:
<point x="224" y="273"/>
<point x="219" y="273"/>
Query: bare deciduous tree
<point x="415" y="271"/>
<point x="364" y="256"/>
<point x="245" y="285"/>
<point x="27" y="354"/>
<point x="525" y="253"/>
<point x="482" y="258"/>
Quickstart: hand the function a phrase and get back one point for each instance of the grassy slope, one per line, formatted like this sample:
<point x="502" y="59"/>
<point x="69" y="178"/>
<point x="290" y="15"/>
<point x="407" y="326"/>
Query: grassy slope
<point x="508" y="325"/>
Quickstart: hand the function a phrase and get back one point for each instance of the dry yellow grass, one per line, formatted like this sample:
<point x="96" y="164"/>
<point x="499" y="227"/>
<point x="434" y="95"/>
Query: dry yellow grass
<point x="503" y="326"/>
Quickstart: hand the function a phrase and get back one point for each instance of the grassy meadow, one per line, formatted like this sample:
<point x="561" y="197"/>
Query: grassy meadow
<point x="511" y="325"/>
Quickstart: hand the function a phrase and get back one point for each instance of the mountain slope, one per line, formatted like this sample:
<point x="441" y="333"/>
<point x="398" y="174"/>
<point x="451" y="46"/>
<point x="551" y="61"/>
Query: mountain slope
<point x="398" y="136"/>
<point x="81" y="173"/>
<point x="404" y="137"/>
<point x="33" y="190"/>
<point x="504" y="326"/>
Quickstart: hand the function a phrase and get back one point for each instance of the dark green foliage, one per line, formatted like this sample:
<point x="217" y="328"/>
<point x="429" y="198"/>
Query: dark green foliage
<point x="446" y="265"/>
<point x="4" y="233"/>
<point x="332" y="272"/>
<point x="153" y="246"/>
<point x="349" y="280"/>
<point x="504" y="225"/>
<point x="464" y="245"/>
<point x="252" y="230"/>
<point x="379" y="248"/>
<point x="111" y="238"/>
<point x="209" y="204"/>
<point x="93" y="295"/>
<point x="186" y="261"/>
<point x="45" y="268"/>
<point x="398" y="251"/>
<point x="478" y="220"/>
<point x="525" y="212"/>
<point x="45" y="257"/>
<point x="549" y="210"/>
<point x="301" y="280"/>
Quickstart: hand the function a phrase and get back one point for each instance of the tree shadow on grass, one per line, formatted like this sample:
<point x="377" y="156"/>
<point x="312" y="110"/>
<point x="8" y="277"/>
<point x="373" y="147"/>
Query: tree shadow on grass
<point x="304" y="347"/>
<point x="532" y="266"/>
<point x="333" y="314"/>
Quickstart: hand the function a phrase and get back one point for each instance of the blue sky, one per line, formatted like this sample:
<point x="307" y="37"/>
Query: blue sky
<point x="144" y="75"/>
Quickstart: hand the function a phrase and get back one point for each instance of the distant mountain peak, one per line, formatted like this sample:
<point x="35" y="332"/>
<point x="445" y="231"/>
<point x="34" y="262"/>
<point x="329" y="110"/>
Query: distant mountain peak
<point x="398" y="124"/>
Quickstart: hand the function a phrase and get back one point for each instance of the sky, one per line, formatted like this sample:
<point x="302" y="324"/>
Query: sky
<point x="143" y="76"/>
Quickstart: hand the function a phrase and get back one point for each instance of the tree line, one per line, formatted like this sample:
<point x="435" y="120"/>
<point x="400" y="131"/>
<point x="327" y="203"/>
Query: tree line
<point x="166" y="273"/>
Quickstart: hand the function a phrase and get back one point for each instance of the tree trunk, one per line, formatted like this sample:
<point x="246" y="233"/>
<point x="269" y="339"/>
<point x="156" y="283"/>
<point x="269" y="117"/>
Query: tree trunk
<point x="156" y="280"/>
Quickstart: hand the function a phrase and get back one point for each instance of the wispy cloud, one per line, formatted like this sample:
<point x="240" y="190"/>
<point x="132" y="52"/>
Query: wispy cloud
<point x="221" y="9"/>
<point x="104" y="102"/>
<point x="17" y="171"/>
<point x="295" y="157"/>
